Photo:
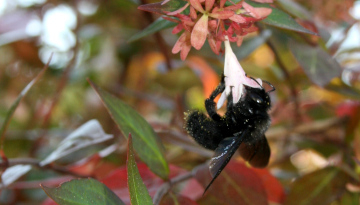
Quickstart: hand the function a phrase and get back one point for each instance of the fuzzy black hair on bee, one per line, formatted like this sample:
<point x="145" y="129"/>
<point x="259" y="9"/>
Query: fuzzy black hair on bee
<point x="241" y="128"/>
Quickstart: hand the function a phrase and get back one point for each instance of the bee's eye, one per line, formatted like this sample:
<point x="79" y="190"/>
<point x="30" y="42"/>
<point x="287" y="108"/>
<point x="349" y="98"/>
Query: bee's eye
<point x="256" y="98"/>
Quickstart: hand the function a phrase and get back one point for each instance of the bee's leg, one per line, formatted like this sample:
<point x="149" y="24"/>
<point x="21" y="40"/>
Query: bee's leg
<point x="230" y="109"/>
<point x="210" y="105"/>
<point x="204" y="130"/>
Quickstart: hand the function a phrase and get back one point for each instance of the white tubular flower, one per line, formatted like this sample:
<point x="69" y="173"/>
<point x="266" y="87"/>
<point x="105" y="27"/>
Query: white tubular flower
<point x="235" y="78"/>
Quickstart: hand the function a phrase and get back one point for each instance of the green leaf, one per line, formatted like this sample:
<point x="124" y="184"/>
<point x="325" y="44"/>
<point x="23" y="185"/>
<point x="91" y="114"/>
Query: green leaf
<point x="251" y="44"/>
<point x="318" y="65"/>
<point x="82" y="191"/>
<point x="320" y="187"/>
<point x="160" y="8"/>
<point x="280" y="19"/>
<point x="337" y="85"/>
<point x="139" y="195"/>
<point x="13" y="107"/>
<point x="295" y="9"/>
<point x="158" y="25"/>
<point x="146" y="143"/>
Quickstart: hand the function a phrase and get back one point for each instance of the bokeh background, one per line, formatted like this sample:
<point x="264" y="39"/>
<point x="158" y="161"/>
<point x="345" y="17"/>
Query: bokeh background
<point x="314" y="120"/>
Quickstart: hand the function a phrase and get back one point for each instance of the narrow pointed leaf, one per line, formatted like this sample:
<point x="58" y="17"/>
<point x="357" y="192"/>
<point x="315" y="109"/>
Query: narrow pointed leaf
<point x="88" y="134"/>
<point x="13" y="107"/>
<point x="146" y="143"/>
<point x="160" y="8"/>
<point x="251" y="44"/>
<point x="82" y="191"/>
<point x="13" y="173"/>
<point x="139" y="195"/>
<point x="318" y="65"/>
<point x="158" y="25"/>
<point x="280" y="19"/>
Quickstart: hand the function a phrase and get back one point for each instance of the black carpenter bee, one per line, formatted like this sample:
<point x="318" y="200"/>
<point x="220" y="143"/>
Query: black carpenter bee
<point x="242" y="127"/>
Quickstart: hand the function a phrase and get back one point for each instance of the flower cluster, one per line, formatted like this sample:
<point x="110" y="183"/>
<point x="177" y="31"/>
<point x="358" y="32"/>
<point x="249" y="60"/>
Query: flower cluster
<point x="212" y="20"/>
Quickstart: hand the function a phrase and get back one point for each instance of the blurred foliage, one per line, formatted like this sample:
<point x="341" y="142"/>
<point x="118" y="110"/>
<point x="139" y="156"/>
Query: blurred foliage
<point x="314" y="136"/>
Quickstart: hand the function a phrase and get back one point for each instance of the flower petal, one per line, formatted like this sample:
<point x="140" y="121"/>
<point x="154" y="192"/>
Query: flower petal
<point x="221" y="100"/>
<point x="196" y="4"/>
<point x="199" y="33"/>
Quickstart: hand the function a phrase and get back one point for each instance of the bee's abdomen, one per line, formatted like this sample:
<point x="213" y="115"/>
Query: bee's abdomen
<point x="204" y="130"/>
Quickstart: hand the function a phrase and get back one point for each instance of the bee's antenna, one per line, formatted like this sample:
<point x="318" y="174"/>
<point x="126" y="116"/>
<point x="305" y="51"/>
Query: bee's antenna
<point x="256" y="82"/>
<point x="273" y="88"/>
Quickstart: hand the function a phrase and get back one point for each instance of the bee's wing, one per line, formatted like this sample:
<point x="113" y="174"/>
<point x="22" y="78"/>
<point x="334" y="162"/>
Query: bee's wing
<point x="256" y="150"/>
<point x="223" y="154"/>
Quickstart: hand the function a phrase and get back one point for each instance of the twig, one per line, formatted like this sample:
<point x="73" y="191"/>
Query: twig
<point x="288" y="79"/>
<point x="63" y="82"/>
<point x="164" y="188"/>
<point x="306" y="128"/>
<point x="159" y="39"/>
<point x="36" y="163"/>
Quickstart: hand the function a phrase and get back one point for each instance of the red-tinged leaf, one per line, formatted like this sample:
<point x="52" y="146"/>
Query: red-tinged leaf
<point x="93" y="166"/>
<point x="193" y="189"/>
<point x="158" y="25"/>
<point x="237" y="184"/>
<point x="256" y="12"/>
<point x="82" y="191"/>
<point x="279" y="18"/>
<point x="117" y="180"/>
<point x="139" y="195"/>
<point x="237" y="18"/>
<point x="263" y="1"/>
<point x="274" y="190"/>
<point x="199" y="32"/>
<point x="352" y="110"/>
<point x="185" y="51"/>
<point x="172" y="199"/>
<point x="209" y="4"/>
<point x="222" y="14"/>
<point x="318" y="65"/>
<point x="320" y="187"/>
<point x="161" y="8"/>
<point x="179" y="10"/>
<point x="196" y="4"/>
<point x="146" y="143"/>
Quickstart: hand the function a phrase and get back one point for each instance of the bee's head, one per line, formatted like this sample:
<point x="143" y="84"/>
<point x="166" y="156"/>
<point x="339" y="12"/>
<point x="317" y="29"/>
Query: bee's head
<point x="258" y="98"/>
